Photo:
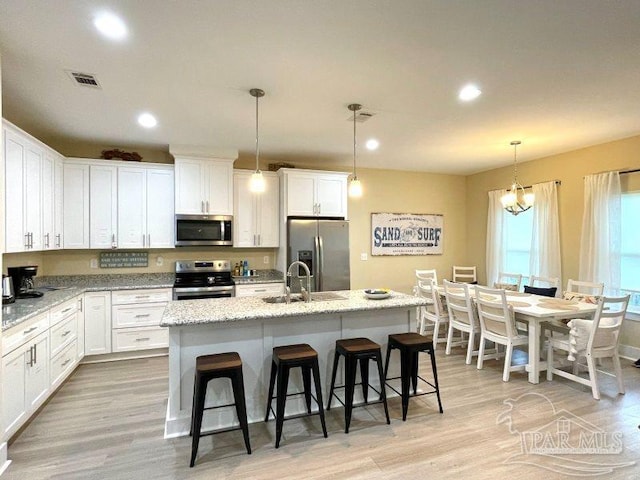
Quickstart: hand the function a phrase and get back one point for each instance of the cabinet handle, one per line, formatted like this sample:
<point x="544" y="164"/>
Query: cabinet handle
<point x="143" y="316"/>
<point x="65" y="333"/>
<point x="142" y="296"/>
<point x="202" y="206"/>
<point x="26" y="332"/>
<point x="260" y="290"/>
<point x="31" y="236"/>
<point x="143" y="339"/>
<point x="58" y="240"/>
<point x="207" y="206"/>
<point x="35" y="353"/>
<point x="66" y="362"/>
<point x="47" y="240"/>
<point x="30" y="356"/>
<point x="80" y="304"/>
<point x="113" y="241"/>
<point x="148" y="239"/>
<point x="66" y="310"/>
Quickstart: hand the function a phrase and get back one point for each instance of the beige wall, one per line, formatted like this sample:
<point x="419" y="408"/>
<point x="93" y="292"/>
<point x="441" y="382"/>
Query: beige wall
<point x="405" y="192"/>
<point x="569" y="168"/>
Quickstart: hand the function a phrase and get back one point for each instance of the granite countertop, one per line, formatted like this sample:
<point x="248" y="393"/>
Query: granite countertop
<point x="59" y="289"/>
<point x="263" y="276"/>
<point x="197" y="312"/>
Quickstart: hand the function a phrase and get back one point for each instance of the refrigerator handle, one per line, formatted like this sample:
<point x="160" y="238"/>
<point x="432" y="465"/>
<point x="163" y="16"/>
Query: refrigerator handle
<point x="320" y="268"/>
<point x="317" y="267"/>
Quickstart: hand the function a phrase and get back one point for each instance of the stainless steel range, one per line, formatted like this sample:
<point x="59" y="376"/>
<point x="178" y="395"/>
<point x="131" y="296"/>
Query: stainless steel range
<point x="203" y="279"/>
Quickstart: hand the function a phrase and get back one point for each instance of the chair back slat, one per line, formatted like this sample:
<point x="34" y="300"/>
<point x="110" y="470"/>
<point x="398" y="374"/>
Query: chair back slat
<point x="495" y="315"/>
<point x="464" y="274"/>
<point x="589" y="288"/>
<point x="459" y="303"/>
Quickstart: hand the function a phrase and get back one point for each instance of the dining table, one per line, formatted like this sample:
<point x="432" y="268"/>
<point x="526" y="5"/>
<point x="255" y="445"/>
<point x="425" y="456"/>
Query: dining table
<point x="535" y="310"/>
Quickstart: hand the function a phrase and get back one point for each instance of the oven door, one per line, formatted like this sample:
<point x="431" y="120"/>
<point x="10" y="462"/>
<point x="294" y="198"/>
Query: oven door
<point x="194" y="293"/>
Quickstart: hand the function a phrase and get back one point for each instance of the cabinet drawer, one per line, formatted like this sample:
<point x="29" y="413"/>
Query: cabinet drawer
<point x="20" y="334"/>
<point x="149" y="295"/>
<point x="145" y="314"/>
<point x="62" y="364"/>
<point x="56" y="314"/>
<point x="62" y="334"/>
<point x="260" y="290"/>
<point x="143" y="338"/>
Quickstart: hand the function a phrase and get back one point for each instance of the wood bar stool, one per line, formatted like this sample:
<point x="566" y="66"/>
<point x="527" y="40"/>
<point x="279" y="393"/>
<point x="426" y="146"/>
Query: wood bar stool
<point x="410" y="345"/>
<point x="208" y="367"/>
<point x="283" y="360"/>
<point x="356" y="350"/>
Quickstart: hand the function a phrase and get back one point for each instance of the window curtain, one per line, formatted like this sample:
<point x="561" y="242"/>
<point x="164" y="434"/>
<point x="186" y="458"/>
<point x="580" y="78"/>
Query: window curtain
<point x="545" y="241"/>
<point x="495" y="237"/>
<point x="601" y="231"/>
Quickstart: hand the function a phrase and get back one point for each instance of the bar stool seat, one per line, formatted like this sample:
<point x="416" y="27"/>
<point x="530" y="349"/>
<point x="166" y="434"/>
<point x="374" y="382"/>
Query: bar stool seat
<point x="285" y="358"/>
<point x="209" y="367"/>
<point x="410" y="345"/>
<point x="356" y="350"/>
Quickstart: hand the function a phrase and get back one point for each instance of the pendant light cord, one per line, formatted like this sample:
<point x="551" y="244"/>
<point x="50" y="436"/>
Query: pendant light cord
<point x="257" y="138"/>
<point x="355" y="176"/>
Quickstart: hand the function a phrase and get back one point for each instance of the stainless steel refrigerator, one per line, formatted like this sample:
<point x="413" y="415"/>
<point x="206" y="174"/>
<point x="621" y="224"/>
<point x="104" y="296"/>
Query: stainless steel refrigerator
<point x="323" y="245"/>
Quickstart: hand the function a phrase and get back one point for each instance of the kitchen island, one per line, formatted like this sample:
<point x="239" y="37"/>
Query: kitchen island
<point x="252" y="327"/>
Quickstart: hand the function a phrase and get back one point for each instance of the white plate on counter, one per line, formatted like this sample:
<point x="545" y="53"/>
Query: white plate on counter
<point x="377" y="293"/>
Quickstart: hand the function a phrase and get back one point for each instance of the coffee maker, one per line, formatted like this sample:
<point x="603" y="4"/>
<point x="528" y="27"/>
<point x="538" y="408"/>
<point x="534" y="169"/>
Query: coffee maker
<point x="23" y="281"/>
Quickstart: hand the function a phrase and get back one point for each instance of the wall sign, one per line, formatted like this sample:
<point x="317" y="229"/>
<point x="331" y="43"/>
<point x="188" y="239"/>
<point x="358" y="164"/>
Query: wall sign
<point x="406" y="234"/>
<point x="124" y="259"/>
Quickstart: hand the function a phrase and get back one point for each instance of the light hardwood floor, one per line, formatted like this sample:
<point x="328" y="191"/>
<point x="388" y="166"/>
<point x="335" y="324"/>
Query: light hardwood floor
<point x="107" y="422"/>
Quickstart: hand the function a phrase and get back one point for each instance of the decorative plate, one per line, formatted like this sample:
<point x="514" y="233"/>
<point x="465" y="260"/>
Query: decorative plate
<point x="377" y="293"/>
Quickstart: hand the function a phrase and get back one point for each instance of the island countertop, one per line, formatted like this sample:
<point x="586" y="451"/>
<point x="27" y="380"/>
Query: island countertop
<point x="198" y="312"/>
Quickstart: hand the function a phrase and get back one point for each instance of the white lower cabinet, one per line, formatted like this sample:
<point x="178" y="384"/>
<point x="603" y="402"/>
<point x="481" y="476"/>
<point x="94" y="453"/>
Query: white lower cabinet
<point x="136" y="316"/>
<point x="97" y="323"/>
<point x="63" y="363"/>
<point x="260" y="290"/>
<point x="25" y="381"/>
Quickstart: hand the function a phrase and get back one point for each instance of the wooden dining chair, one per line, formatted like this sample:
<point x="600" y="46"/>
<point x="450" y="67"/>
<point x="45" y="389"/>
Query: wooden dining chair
<point x="434" y="313"/>
<point x="509" y="281"/>
<point x="544" y="282"/>
<point x="587" y="288"/>
<point x="497" y="324"/>
<point x="591" y="340"/>
<point x="424" y="275"/>
<point x="463" y="317"/>
<point x="464" y="274"/>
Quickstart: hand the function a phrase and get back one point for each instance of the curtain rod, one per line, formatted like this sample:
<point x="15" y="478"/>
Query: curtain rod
<point x="620" y="172"/>
<point x="557" y="182"/>
<point x="635" y="170"/>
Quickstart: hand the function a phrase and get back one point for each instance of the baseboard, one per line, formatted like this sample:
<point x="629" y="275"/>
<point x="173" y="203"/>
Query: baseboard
<point x="4" y="463"/>
<point x="629" y="352"/>
<point x="113" y="357"/>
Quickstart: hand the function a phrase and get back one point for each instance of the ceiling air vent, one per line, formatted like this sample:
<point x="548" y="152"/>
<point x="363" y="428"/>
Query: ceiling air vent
<point x="361" y="117"/>
<point x="84" y="79"/>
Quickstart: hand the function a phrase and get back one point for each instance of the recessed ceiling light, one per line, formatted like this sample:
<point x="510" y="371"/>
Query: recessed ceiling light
<point x="372" y="144"/>
<point x="110" y="26"/>
<point x="147" y="120"/>
<point x="469" y="92"/>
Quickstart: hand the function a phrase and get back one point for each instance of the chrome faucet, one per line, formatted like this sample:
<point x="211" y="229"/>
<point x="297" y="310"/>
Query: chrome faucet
<point x="306" y="293"/>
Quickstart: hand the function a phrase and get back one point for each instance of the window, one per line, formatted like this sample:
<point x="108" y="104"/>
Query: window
<point x="630" y="249"/>
<point x="518" y="231"/>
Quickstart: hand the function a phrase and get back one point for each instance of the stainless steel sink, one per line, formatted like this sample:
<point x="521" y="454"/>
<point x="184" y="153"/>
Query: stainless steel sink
<point x="315" y="297"/>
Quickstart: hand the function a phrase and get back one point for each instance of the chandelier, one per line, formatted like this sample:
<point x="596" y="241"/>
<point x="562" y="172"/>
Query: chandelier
<point x="516" y="200"/>
<point x="355" y="187"/>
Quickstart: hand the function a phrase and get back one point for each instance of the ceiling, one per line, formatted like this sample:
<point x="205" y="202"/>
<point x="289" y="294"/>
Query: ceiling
<point x="558" y="75"/>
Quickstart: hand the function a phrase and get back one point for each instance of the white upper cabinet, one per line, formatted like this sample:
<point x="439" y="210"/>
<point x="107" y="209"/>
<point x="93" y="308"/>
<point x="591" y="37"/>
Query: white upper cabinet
<point x="76" y="205"/>
<point x="29" y="191"/>
<point x="255" y="216"/>
<point x="314" y="193"/>
<point x="103" y="206"/>
<point x="203" y="186"/>
<point x="145" y="207"/>
<point x="58" y="202"/>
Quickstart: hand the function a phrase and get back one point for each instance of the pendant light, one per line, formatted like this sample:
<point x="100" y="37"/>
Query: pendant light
<point x="516" y="201"/>
<point x="257" y="184"/>
<point x="355" y="187"/>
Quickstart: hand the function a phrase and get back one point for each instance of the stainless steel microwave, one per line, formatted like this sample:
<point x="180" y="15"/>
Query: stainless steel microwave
<point x="202" y="230"/>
